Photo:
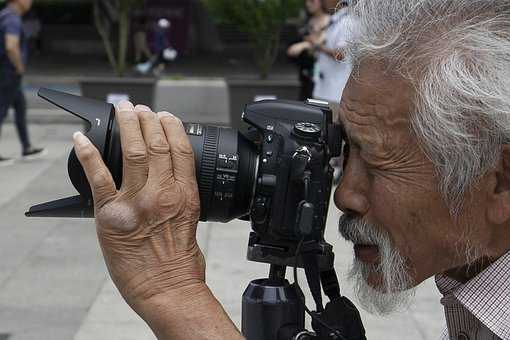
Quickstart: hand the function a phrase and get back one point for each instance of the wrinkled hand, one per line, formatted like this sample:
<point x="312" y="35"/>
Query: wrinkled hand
<point x="147" y="228"/>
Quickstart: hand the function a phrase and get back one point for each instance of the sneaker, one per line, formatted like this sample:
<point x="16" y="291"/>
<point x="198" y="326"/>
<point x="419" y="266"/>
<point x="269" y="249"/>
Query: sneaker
<point x="34" y="153"/>
<point x="6" y="161"/>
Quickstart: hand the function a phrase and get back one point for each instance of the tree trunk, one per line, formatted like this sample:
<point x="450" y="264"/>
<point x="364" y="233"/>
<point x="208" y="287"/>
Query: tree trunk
<point x="124" y="28"/>
<point x="105" y="36"/>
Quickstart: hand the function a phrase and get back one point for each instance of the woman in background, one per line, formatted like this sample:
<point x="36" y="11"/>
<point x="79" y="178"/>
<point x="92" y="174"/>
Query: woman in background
<point x="302" y="52"/>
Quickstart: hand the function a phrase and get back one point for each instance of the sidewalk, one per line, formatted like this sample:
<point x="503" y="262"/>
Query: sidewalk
<point x="54" y="285"/>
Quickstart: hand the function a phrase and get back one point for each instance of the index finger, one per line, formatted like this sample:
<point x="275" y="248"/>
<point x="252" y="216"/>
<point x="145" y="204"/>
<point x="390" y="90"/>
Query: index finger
<point x="99" y="177"/>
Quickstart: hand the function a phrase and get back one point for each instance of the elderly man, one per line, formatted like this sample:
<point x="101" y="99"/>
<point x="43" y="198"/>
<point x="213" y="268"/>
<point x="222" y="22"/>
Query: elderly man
<point x="425" y="191"/>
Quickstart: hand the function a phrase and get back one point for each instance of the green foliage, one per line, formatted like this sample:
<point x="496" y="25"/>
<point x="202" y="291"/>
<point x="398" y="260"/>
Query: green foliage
<point x="261" y="20"/>
<point x="113" y="19"/>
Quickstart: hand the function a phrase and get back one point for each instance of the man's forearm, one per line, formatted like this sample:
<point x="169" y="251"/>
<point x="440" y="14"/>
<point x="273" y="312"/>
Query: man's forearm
<point x="194" y="314"/>
<point x="16" y="59"/>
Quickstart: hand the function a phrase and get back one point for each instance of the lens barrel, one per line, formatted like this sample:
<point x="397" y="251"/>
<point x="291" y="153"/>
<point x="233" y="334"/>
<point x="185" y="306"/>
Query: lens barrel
<point x="226" y="168"/>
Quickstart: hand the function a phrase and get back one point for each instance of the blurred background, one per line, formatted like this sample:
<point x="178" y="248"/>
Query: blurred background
<point x="200" y="59"/>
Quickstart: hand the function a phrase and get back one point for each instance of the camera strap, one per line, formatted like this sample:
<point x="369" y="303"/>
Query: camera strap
<point x="330" y="284"/>
<point x="315" y="278"/>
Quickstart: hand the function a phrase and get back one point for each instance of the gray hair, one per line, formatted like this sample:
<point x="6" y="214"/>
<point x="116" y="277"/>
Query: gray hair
<point x="456" y="53"/>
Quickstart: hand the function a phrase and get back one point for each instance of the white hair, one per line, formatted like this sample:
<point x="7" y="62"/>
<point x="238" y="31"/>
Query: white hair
<point x="456" y="54"/>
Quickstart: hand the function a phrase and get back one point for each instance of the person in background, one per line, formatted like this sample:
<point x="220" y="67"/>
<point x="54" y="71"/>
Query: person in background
<point x="302" y="52"/>
<point x="332" y="68"/>
<point x="163" y="50"/>
<point x="13" y="58"/>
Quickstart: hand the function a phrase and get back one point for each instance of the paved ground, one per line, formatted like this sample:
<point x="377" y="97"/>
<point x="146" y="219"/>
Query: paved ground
<point x="54" y="285"/>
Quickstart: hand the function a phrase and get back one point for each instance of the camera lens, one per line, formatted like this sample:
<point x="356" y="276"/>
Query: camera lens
<point x="226" y="168"/>
<point x="226" y="163"/>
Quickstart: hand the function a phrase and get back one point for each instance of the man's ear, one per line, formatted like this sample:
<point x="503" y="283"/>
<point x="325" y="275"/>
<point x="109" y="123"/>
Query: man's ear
<point x="498" y="194"/>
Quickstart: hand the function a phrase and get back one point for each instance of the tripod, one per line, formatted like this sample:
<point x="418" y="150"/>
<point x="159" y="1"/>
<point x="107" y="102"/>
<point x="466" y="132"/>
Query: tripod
<point x="274" y="309"/>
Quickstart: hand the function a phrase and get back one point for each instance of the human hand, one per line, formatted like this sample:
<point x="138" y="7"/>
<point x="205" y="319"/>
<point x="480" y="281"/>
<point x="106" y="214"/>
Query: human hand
<point x="147" y="228"/>
<point x="296" y="49"/>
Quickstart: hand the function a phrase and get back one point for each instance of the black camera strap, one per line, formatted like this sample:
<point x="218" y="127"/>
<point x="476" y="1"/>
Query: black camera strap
<point x="330" y="284"/>
<point x="313" y="278"/>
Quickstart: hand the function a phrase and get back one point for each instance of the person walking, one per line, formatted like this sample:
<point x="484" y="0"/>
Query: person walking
<point x="333" y="68"/>
<point x="164" y="53"/>
<point x="302" y="52"/>
<point x="13" y="59"/>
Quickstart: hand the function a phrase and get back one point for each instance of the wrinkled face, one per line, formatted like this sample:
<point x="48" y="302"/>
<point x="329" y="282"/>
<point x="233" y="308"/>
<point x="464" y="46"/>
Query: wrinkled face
<point x="394" y="212"/>
<point x="313" y="6"/>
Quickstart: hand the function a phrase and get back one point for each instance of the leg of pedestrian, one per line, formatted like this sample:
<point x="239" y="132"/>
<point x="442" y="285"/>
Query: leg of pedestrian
<point x="5" y="102"/>
<point x="20" y="118"/>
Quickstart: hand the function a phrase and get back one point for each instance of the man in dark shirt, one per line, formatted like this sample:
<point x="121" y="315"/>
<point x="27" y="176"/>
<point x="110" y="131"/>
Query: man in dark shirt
<point x="13" y="58"/>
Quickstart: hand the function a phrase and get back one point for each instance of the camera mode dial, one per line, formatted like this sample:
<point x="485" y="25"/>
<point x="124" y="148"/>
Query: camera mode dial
<point x="307" y="130"/>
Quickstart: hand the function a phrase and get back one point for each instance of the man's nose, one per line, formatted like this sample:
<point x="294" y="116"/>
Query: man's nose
<point x="351" y="195"/>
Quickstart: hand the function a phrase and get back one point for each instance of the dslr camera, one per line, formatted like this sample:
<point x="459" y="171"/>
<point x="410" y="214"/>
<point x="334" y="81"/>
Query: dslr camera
<point x="277" y="175"/>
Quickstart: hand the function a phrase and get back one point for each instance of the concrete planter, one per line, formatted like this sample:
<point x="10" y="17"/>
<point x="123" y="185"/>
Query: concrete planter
<point x="197" y="100"/>
<point x="138" y="90"/>
<point x="246" y="90"/>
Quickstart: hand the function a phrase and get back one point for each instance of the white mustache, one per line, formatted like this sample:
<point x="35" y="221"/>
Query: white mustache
<point x="358" y="231"/>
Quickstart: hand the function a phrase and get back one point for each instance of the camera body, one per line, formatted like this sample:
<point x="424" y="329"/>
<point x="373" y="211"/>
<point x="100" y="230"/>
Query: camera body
<point x="296" y="142"/>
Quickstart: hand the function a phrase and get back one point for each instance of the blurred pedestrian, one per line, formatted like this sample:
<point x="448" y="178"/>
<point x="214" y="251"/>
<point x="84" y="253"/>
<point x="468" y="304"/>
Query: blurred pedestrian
<point x="333" y="68"/>
<point x="302" y="52"/>
<point x="13" y="59"/>
<point x="164" y="53"/>
<point x="140" y="42"/>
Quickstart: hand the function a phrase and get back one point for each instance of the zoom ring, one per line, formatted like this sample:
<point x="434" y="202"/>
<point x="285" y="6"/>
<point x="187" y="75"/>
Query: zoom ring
<point x="208" y="168"/>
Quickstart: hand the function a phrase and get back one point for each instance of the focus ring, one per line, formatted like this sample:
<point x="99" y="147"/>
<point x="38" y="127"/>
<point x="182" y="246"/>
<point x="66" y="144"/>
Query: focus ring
<point x="208" y="169"/>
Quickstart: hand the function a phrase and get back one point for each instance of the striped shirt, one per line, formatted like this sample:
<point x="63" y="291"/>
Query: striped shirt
<point x="480" y="308"/>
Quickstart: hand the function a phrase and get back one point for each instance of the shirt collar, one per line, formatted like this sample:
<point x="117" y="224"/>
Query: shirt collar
<point x="486" y="296"/>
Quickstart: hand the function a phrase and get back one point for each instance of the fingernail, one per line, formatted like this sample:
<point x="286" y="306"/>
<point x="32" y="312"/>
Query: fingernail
<point x="80" y="138"/>
<point x="142" y="108"/>
<point x="125" y="105"/>
<point x="165" y="114"/>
